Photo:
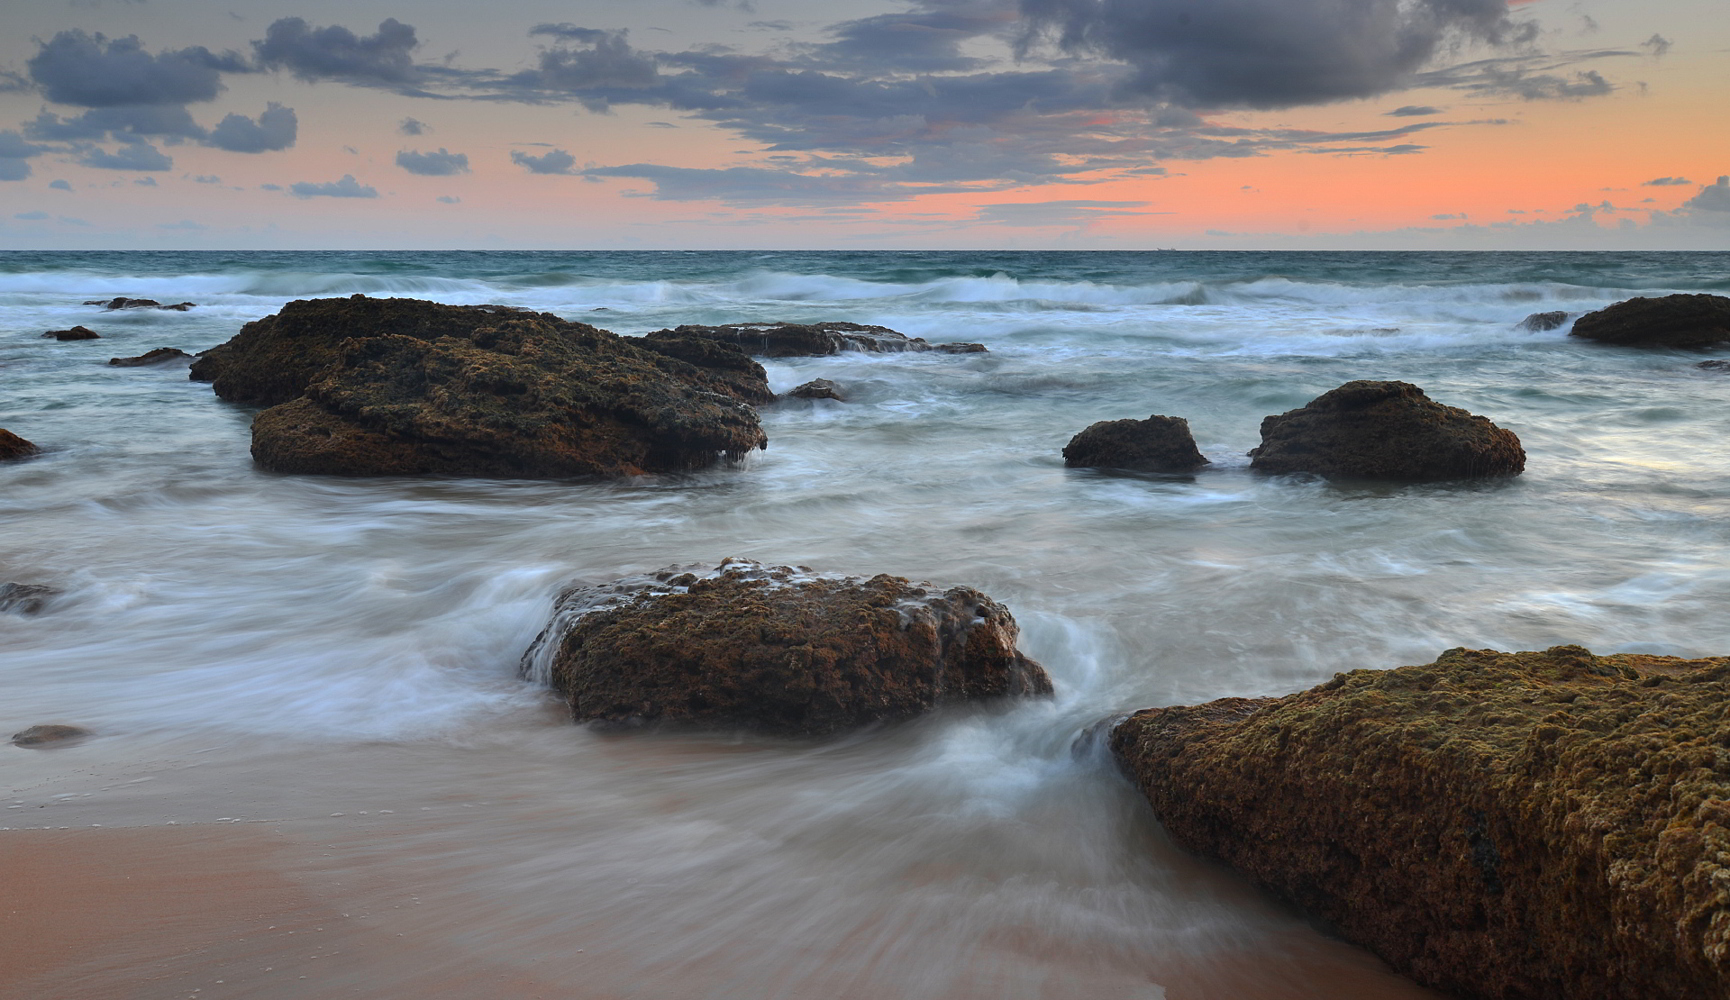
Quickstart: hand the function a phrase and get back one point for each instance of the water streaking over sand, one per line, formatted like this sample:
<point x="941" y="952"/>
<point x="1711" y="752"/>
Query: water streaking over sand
<point x="269" y="650"/>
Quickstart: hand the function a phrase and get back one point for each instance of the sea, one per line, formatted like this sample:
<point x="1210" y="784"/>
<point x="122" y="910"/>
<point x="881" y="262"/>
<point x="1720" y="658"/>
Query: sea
<point x="335" y="662"/>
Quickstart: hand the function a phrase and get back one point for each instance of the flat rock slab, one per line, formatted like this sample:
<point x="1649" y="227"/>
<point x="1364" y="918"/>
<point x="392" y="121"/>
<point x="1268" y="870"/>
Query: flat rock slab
<point x="1386" y="430"/>
<point x="793" y="340"/>
<point x="1667" y="321"/>
<point x="159" y="356"/>
<point x="76" y="333"/>
<point x="1157" y="444"/>
<point x="1509" y="825"/>
<point x="45" y="737"/>
<point x="776" y="649"/>
<point x="122" y="302"/>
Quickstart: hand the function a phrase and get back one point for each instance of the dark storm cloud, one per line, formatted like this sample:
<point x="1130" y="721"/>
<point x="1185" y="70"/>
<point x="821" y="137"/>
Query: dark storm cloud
<point x="440" y="163"/>
<point x="601" y="64"/>
<point x="337" y="53"/>
<point x="924" y="40"/>
<point x="347" y="187"/>
<point x="93" y="71"/>
<point x="130" y="156"/>
<point x="275" y="128"/>
<point x="1268" y="53"/>
<point x="555" y="162"/>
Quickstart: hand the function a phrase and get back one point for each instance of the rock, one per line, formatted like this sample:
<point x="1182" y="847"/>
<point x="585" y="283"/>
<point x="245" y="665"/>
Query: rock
<point x="1540" y="322"/>
<point x="1386" y="430"/>
<point x="1507" y="825"/>
<point x="792" y="340"/>
<point x="122" y="302"/>
<point x="159" y="356"/>
<point x="820" y="388"/>
<point x="367" y="387"/>
<point x="723" y="361"/>
<point x="25" y="598"/>
<point x="1718" y="365"/>
<point x="45" y="737"/>
<point x="1157" y="444"/>
<point x="76" y="333"/>
<point x="1669" y="321"/>
<point x="12" y="446"/>
<point x="776" y="649"/>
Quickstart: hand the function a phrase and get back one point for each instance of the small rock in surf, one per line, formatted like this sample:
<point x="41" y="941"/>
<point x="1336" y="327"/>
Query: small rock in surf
<point x="1386" y="430"/>
<point x="794" y="340"/>
<point x="1668" y="321"/>
<point x="25" y="598"/>
<point x="1157" y="444"/>
<point x="122" y="302"/>
<point x="159" y="356"/>
<point x="45" y="737"/>
<point x="76" y="333"/>
<point x="777" y="650"/>
<point x="820" y="388"/>
<point x="1540" y="322"/>
<point x="12" y="446"/>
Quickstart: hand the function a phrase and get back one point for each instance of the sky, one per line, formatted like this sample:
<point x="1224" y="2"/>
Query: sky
<point x="865" y="124"/>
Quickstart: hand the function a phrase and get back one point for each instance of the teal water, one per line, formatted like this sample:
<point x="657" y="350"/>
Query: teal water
<point x="208" y="603"/>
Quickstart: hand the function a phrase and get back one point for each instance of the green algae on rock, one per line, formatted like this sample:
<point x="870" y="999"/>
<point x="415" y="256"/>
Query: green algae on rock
<point x="1501" y="825"/>
<point x="1386" y="430"/>
<point x="776" y="649"/>
<point x="365" y="386"/>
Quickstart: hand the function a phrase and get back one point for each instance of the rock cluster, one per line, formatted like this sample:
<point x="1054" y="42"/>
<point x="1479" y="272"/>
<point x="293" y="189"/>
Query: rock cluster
<point x="1386" y="430"/>
<point x="122" y="302"/>
<point x="1157" y="444"/>
<point x="776" y="649"/>
<point x="1668" y="321"/>
<point x="792" y="340"/>
<point x="76" y="333"/>
<point x="1505" y="825"/>
<point x="12" y="446"/>
<point x="364" y="386"/>
<point x="159" y="356"/>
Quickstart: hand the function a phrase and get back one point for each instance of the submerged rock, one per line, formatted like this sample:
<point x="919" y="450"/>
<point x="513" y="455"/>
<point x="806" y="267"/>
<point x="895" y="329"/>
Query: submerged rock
<point x="792" y="340"/>
<point x="1386" y="430"/>
<point x="1717" y="365"/>
<point x="76" y="333"/>
<point x="820" y="388"/>
<point x="1540" y="322"/>
<point x="122" y="302"/>
<point x="402" y="387"/>
<point x="1157" y="444"/>
<point x="12" y="446"/>
<point x="159" y="356"/>
<point x="1668" y="321"/>
<point x="776" y="649"/>
<point x="44" y="737"/>
<point x="25" y="598"/>
<point x="1507" y="825"/>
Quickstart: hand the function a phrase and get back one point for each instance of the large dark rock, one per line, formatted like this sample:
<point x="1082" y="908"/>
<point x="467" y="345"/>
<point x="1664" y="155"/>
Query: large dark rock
<point x="76" y="333"/>
<point x="12" y="446"/>
<point x="791" y="340"/>
<point x="122" y="302"/>
<point x="1157" y="444"/>
<point x="820" y="388"/>
<point x="403" y="387"/>
<point x="1549" y="825"/>
<point x="159" y="356"/>
<point x="724" y="362"/>
<point x="1386" y="430"/>
<point x="1668" y="321"/>
<point x="25" y="598"/>
<point x="777" y="650"/>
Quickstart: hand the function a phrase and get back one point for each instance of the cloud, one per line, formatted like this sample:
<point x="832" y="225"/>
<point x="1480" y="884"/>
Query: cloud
<point x="275" y="128"/>
<point x="1712" y="198"/>
<point x="31" y="216"/>
<point x="449" y="199"/>
<point x="130" y="156"/>
<point x="148" y="182"/>
<point x="1444" y="216"/>
<point x="604" y="62"/>
<point x="765" y="185"/>
<point x="1658" y="45"/>
<point x="1069" y="213"/>
<point x="270" y="187"/>
<point x="437" y="164"/>
<point x="556" y="162"/>
<point x="15" y="156"/>
<point x="60" y="185"/>
<point x="1267" y="53"/>
<point x="925" y="40"/>
<point x="1666" y="182"/>
<point x="93" y="71"/>
<point x="184" y="224"/>
<point x="207" y="179"/>
<point x="412" y="126"/>
<point x="348" y="187"/>
<point x="337" y="53"/>
<point x="123" y="123"/>
<point x="1414" y="110"/>
<point x="1531" y="78"/>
